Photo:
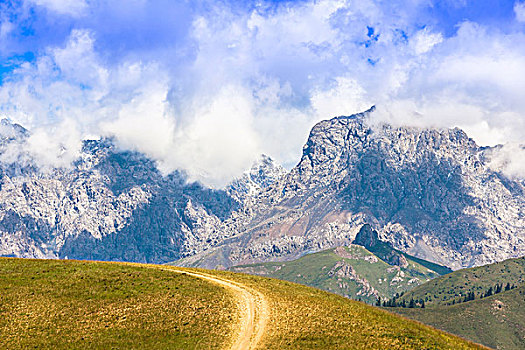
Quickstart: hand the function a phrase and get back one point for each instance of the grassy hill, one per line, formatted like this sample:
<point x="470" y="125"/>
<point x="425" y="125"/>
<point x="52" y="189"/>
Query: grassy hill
<point x="454" y="286"/>
<point x="352" y="271"/>
<point x="497" y="321"/>
<point x="72" y="304"/>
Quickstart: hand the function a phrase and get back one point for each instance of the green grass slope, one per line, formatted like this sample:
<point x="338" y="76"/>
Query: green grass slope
<point x="71" y="304"/>
<point x="454" y="286"/>
<point x="497" y="321"/>
<point x="352" y="271"/>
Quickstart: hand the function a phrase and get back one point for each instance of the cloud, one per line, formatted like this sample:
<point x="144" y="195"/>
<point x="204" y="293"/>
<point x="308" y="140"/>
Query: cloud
<point x="207" y="86"/>
<point x="344" y="95"/>
<point x="508" y="159"/>
<point x="222" y="126"/>
<point x="56" y="146"/>
<point x="143" y="124"/>
<point x="519" y="10"/>
<point x="70" y="93"/>
<point x="67" y="7"/>
<point x="424" y="41"/>
<point x="6" y="27"/>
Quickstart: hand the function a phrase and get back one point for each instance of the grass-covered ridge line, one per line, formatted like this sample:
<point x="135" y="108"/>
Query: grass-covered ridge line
<point x="497" y="321"/>
<point x="309" y="318"/>
<point x="72" y="304"/>
<point x="383" y="248"/>
<point x="351" y="271"/>
<point x="455" y="286"/>
<point x="440" y="269"/>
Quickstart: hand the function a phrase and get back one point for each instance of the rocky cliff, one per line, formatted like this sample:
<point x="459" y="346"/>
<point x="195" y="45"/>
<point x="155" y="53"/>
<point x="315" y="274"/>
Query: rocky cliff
<point x="110" y="205"/>
<point x="428" y="192"/>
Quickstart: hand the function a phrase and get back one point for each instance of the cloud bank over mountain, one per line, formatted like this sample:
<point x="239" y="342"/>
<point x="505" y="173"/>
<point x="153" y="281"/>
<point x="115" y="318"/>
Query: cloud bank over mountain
<point x="207" y="86"/>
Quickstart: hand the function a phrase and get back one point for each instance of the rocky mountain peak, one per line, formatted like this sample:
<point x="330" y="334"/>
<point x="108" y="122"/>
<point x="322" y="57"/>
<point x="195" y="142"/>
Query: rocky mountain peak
<point x="367" y="237"/>
<point x="110" y="205"/>
<point x="263" y="173"/>
<point x="10" y="131"/>
<point x="428" y="192"/>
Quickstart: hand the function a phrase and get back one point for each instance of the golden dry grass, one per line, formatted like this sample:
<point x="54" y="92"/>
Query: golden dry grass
<point x="72" y="304"/>
<point x="308" y="318"/>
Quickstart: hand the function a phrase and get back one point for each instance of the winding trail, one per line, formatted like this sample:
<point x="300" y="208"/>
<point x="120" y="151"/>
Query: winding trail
<point x="253" y="309"/>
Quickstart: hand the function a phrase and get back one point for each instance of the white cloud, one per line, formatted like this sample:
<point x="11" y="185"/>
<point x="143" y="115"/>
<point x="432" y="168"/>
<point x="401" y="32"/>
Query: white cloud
<point x="424" y="41"/>
<point x="509" y="160"/>
<point x="78" y="62"/>
<point x="344" y="96"/>
<point x="63" y="7"/>
<point x="69" y="93"/>
<point x="47" y="147"/>
<point x="471" y="80"/>
<point x="143" y="123"/>
<point x="6" y="27"/>
<point x="220" y="140"/>
<point x="519" y="10"/>
<point x="243" y="83"/>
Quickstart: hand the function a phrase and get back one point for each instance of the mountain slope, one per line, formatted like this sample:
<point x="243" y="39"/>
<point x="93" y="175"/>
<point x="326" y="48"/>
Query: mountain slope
<point x="430" y="193"/>
<point x="71" y="304"/>
<point x="497" y="321"/>
<point x="263" y="173"/>
<point x="351" y="271"/>
<point x="110" y="205"/>
<point x="54" y="304"/>
<point x="455" y="286"/>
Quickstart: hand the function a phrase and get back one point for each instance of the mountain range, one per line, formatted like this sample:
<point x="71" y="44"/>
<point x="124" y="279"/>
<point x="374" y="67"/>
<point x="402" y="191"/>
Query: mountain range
<point x="430" y="193"/>
<point x="110" y="205"/>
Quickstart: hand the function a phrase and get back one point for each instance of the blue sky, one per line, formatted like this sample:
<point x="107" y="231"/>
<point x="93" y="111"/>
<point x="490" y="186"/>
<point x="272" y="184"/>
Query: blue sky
<point x="188" y="82"/>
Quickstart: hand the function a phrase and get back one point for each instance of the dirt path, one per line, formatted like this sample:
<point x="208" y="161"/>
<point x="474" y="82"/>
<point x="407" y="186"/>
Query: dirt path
<point x="253" y="308"/>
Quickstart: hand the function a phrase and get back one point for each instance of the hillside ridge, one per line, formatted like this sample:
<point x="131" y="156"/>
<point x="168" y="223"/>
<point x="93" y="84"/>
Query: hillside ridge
<point x="79" y="304"/>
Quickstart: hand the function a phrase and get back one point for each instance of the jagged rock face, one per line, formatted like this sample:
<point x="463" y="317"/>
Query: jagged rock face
<point x="428" y="192"/>
<point x="367" y="237"/>
<point x="264" y="173"/>
<point x="111" y="205"/>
